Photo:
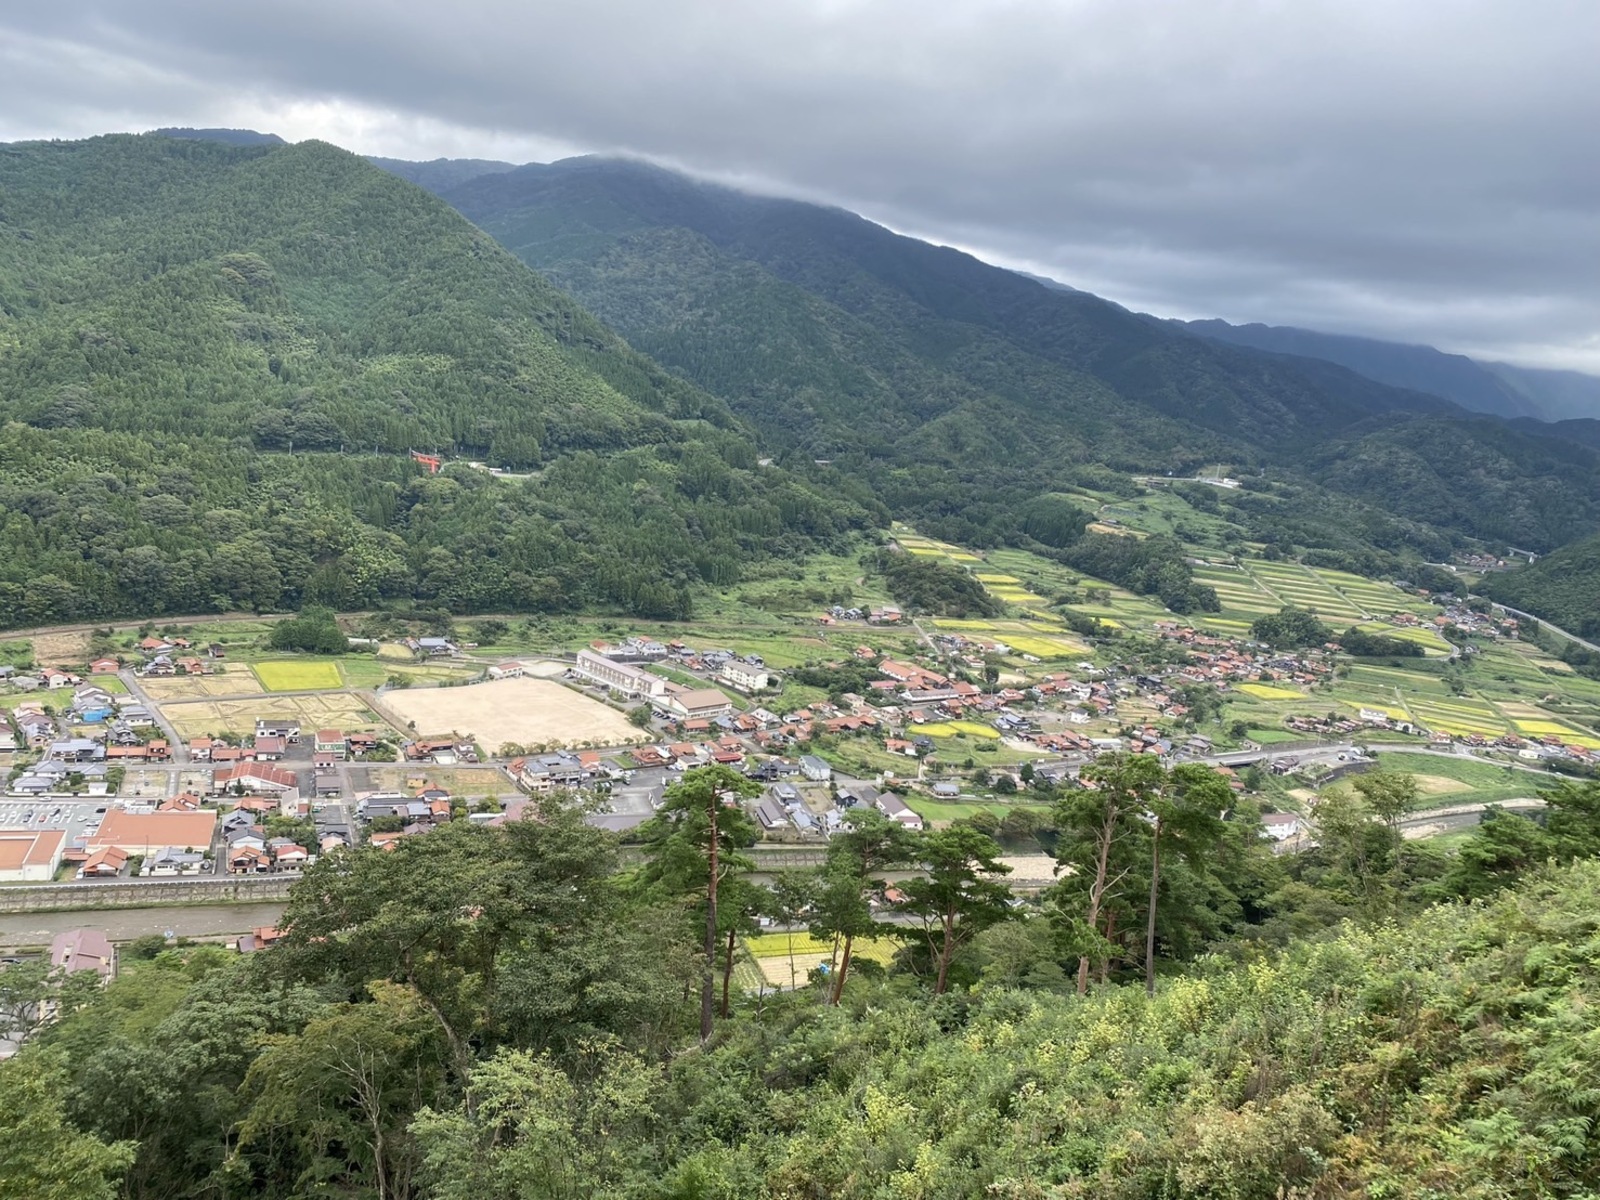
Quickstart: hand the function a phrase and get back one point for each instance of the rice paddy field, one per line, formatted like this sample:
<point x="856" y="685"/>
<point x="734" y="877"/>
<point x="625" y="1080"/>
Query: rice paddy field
<point x="949" y="729"/>
<point x="299" y="675"/>
<point x="785" y="960"/>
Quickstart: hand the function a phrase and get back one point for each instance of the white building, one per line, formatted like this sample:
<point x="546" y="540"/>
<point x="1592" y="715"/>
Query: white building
<point x="620" y="677"/>
<point x="743" y="676"/>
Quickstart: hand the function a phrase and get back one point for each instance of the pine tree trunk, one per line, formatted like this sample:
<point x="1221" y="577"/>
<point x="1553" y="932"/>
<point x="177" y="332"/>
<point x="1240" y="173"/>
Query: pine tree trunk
<point x="844" y="969"/>
<point x="944" y="955"/>
<point x="708" y="987"/>
<point x="1096" y="893"/>
<point x="1150" y="923"/>
<point x="727" y="973"/>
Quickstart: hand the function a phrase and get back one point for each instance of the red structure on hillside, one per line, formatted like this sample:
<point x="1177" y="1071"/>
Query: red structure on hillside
<point x="431" y="461"/>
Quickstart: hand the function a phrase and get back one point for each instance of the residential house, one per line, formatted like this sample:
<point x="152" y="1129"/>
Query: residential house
<point x="287" y="854"/>
<point x="270" y="749"/>
<point x="255" y="777"/>
<point x="898" y="811"/>
<point x="83" y="950"/>
<point x="247" y="858"/>
<point x="170" y="861"/>
<point x="770" y="814"/>
<point x="329" y="741"/>
<point x="104" y="863"/>
<point x="1280" y="827"/>
<point x="815" y="769"/>
<point x="361" y="744"/>
<point x="258" y="938"/>
<point x="77" y="750"/>
<point x="104" y="666"/>
<point x="283" y="727"/>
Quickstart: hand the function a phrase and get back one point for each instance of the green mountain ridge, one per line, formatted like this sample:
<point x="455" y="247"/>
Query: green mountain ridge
<point x="940" y="379"/>
<point x="214" y="360"/>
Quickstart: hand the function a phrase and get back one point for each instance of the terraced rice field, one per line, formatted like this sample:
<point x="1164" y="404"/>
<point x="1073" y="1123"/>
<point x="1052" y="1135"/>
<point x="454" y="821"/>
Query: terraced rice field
<point x="1461" y="717"/>
<point x="1428" y="639"/>
<point x="1303" y="587"/>
<point x="1238" y="591"/>
<point x="1567" y="733"/>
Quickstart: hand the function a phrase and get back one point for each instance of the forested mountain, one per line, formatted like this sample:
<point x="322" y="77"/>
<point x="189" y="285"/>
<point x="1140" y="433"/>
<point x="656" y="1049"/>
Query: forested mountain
<point x="441" y="174"/>
<point x="1473" y="385"/>
<point x="945" y="383"/>
<point x="1561" y="394"/>
<point x="214" y="360"/>
<point x="1563" y="587"/>
<point x="232" y="137"/>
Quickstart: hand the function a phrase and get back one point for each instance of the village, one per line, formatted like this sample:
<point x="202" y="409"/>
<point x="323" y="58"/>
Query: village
<point x="104" y="785"/>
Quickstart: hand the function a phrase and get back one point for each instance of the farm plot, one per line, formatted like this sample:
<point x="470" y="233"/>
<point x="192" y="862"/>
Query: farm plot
<point x="336" y="710"/>
<point x="1428" y="639"/>
<point x="1461" y="717"/>
<point x="774" y="953"/>
<point x="1262" y="691"/>
<point x="193" y="687"/>
<point x="523" y="712"/>
<point x="1374" y="596"/>
<point x="469" y="782"/>
<point x="1302" y="587"/>
<point x="299" y="675"/>
<point x="1238" y="591"/>
<point x="945" y="729"/>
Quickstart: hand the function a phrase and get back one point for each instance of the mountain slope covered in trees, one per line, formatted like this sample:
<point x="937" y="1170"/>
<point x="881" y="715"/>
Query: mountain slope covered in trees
<point x="940" y="379"/>
<point x="1475" y="386"/>
<point x="1563" y="587"/>
<point x="214" y="360"/>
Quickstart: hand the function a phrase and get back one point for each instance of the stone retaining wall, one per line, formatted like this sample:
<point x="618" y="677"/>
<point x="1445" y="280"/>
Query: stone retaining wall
<point x="129" y="893"/>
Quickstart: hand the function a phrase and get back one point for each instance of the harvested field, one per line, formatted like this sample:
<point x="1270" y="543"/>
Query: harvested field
<point x="524" y="712"/>
<point x="337" y="710"/>
<point x="194" y="687"/>
<point x="61" y="649"/>
<point x="469" y="782"/>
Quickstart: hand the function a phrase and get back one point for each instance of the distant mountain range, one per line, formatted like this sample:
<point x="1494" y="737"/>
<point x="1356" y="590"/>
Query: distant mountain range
<point x="1500" y="389"/>
<point x="1488" y="387"/>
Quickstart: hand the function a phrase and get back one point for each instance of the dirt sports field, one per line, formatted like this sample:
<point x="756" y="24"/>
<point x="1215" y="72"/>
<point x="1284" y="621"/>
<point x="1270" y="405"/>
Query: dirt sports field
<point x="527" y="712"/>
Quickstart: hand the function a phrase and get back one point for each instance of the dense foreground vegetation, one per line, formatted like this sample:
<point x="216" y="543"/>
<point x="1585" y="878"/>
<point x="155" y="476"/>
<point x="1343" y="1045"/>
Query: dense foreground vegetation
<point x="498" y="1013"/>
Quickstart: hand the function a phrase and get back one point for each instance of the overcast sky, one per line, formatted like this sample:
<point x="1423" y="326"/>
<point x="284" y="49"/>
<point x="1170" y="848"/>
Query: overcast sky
<point x="1421" y="170"/>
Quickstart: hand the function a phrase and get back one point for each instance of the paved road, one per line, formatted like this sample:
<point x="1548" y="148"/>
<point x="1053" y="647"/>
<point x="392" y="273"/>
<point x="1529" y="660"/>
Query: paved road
<point x="180" y="747"/>
<point x="1460" y="816"/>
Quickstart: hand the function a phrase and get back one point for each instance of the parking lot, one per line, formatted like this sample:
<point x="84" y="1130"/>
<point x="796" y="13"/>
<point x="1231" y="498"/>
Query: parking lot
<point x="75" y="816"/>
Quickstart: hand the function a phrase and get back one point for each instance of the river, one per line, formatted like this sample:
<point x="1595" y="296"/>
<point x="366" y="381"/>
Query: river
<point x="125" y="924"/>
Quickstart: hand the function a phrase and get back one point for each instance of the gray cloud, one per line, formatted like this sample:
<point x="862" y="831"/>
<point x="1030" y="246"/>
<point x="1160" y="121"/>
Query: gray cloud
<point x="1421" y="171"/>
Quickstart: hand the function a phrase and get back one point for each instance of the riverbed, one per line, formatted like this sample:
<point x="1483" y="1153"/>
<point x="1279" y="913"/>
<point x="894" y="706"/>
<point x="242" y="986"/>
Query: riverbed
<point x="125" y="924"/>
